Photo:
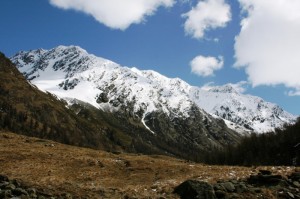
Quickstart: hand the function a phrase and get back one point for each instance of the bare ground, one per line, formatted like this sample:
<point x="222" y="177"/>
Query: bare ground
<point x="87" y="173"/>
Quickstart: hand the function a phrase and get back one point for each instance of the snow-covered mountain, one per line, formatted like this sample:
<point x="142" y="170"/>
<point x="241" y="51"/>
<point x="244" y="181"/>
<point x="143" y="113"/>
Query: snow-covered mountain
<point x="241" y="112"/>
<point x="70" y="72"/>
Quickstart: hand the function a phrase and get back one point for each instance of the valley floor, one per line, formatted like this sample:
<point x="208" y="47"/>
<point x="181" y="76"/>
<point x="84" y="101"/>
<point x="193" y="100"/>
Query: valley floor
<point x="87" y="173"/>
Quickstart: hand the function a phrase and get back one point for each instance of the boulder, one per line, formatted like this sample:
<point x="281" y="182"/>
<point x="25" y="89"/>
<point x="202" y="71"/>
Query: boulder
<point x="195" y="189"/>
<point x="265" y="180"/>
<point x="3" y="178"/>
<point x="228" y="186"/>
<point x="220" y="194"/>
<point x="19" y="192"/>
<point x="296" y="184"/>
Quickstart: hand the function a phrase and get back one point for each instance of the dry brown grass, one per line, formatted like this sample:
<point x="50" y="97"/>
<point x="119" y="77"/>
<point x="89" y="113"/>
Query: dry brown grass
<point x="90" y="173"/>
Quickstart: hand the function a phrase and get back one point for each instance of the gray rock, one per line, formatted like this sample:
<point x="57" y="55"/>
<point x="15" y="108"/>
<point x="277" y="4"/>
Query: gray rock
<point x="33" y="195"/>
<point x="290" y="195"/>
<point x="10" y="187"/>
<point x="241" y="188"/>
<point x="16" y="182"/>
<point x="265" y="180"/>
<point x="13" y="189"/>
<point x="5" y="194"/>
<point x="3" y="178"/>
<point x="220" y="194"/>
<point x="31" y="191"/>
<point x="219" y="187"/>
<point x="194" y="189"/>
<point x="103" y="98"/>
<point x="19" y="191"/>
<point x="296" y="184"/>
<point x="3" y="185"/>
<point x="228" y="186"/>
<point x="255" y="190"/>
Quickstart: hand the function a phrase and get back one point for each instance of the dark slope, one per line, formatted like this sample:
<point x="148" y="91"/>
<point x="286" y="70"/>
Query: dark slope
<point x="281" y="147"/>
<point x="27" y="110"/>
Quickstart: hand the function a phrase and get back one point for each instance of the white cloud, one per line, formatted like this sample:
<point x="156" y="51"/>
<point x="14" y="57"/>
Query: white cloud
<point x="268" y="46"/>
<point x="208" y="14"/>
<point x="205" y="66"/>
<point x="295" y="92"/>
<point x="116" y="14"/>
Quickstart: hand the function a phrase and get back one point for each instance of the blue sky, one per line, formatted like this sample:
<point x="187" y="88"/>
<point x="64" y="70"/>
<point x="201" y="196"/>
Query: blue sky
<point x="265" y="54"/>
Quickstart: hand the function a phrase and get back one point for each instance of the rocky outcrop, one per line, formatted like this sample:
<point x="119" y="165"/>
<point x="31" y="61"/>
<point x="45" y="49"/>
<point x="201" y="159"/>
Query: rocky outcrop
<point x="262" y="185"/>
<point x="15" y="189"/>
<point x="195" y="189"/>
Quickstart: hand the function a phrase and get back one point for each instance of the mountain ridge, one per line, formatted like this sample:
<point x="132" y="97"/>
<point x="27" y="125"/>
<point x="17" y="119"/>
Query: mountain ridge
<point x="71" y="70"/>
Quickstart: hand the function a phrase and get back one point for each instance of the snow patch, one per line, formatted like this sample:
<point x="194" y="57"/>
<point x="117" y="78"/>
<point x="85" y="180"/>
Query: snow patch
<point x="143" y="121"/>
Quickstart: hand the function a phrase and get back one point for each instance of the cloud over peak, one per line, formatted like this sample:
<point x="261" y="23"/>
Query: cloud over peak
<point x="115" y="14"/>
<point x="206" y="66"/>
<point x="208" y="14"/>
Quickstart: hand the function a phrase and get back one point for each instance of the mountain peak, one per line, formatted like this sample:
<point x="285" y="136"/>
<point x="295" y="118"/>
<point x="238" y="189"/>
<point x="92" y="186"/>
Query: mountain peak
<point x="227" y="88"/>
<point x="72" y="48"/>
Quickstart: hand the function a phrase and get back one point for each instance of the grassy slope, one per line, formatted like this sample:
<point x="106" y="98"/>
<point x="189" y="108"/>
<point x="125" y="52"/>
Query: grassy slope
<point x="91" y="173"/>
